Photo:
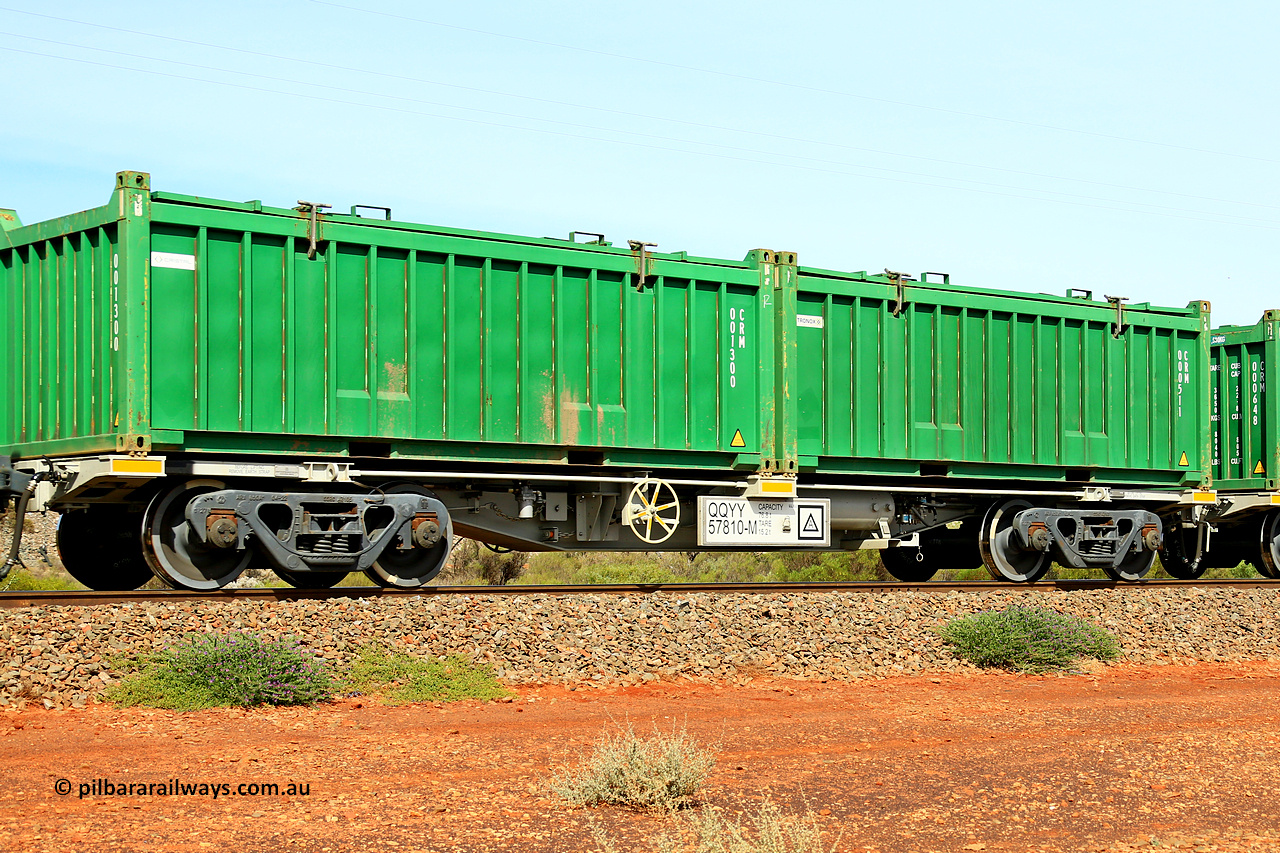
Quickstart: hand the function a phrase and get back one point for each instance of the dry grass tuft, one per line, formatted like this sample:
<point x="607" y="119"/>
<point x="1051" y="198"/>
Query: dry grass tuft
<point x="660" y="773"/>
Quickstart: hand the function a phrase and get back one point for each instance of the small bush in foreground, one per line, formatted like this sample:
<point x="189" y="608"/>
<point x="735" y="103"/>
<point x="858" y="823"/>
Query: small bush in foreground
<point x="766" y="830"/>
<point x="236" y="670"/>
<point x="404" y="678"/>
<point x="1027" y="639"/>
<point x="661" y="773"/>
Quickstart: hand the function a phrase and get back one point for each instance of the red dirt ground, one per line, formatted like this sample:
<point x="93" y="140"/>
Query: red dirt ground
<point x="1124" y="759"/>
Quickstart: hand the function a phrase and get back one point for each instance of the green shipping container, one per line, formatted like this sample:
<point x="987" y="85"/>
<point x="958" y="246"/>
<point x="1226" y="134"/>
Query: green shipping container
<point x="917" y="377"/>
<point x="1246" y="445"/>
<point x="171" y="322"/>
<point x="163" y="322"/>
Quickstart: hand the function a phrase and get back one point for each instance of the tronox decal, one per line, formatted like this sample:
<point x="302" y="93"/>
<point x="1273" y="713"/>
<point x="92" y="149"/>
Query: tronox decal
<point x="173" y="261"/>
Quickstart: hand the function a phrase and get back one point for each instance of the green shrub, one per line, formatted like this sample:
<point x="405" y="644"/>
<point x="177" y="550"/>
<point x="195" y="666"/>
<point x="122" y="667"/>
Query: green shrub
<point x="237" y="670"/>
<point x="625" y="573"/>
<point x="356" y="579"/>
<point x="1240" y="570"/>
<point x="701" y="567"/>
<point x="1027" y="639"/>
<point x="822" y="567"/>
<point x="49" y="579"/>
<point x="661" y="773"/>
<point x="470" y="562"/>
<point x="404" y="678"/>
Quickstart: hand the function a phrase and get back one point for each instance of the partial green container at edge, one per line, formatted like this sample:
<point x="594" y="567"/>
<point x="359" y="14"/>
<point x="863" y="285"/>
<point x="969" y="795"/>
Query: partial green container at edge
<point x="1245" y="416"/>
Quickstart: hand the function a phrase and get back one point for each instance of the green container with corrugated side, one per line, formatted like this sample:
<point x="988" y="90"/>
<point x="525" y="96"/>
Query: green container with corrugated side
<point x="169" y="323"/>
<point x="1246" y="444"/>
<point x="921" y="377"/>
<point x="176" y="323"/>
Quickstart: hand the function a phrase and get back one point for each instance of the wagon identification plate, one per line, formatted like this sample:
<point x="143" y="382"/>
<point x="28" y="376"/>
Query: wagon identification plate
<point x="736" y="522"/>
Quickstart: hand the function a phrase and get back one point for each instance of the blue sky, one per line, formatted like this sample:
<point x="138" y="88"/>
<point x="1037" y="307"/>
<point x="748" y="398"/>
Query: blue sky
<point x="1122" y="147"/>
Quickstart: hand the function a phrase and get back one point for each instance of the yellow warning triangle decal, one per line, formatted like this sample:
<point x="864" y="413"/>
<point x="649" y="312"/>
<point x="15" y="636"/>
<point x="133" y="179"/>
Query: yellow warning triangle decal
<point x="738" y="440"/>
<point x="1258" y="469"/>
<point x="1183" y="461"/>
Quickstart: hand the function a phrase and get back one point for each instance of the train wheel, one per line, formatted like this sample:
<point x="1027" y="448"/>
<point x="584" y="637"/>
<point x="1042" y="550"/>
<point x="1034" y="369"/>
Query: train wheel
<point x="101" y="548"/>
<point x="998" y="545"/>
<point x="939" y="550"/>
<point x="1267" y="559"/>
<point x="910" y="565"/>
<point x="172" y="550"/>
<point x="311" y="580"/>
<point x="1133" y="567"/>
<point x="406" y="569"/>
<point x="1179" y="557"/>
<point x="1227" y="557"/>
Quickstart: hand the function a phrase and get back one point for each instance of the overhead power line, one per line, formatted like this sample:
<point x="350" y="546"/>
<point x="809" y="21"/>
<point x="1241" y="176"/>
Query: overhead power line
<point x="614" y="111"/>
<point x="640" y="134"/>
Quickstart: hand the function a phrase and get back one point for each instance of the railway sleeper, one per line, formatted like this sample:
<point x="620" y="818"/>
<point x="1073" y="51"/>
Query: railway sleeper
<point x="300" y="532"/>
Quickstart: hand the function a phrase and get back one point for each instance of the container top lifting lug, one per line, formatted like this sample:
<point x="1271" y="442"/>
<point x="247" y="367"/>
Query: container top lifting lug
<point x="900" y="285"/>
<point x="1117" y="328"/>
<point x="313" y="226"/>
<point x="644" y="263"/>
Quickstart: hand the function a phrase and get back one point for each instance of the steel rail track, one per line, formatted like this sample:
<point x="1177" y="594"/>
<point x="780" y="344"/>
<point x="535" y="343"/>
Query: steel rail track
<point x="44" y="598"/>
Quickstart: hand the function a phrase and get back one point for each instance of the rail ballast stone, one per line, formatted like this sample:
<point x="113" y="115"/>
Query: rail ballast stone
<point x="61" y="657"/>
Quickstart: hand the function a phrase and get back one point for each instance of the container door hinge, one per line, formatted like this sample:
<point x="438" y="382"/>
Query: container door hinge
<point x="644" y="264"/>
<point x="1118" y="327"/>
<point x="313" y="225"/>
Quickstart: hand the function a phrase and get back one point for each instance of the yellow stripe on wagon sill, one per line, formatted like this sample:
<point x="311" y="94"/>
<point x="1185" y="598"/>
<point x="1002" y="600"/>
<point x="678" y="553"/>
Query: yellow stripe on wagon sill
<point x="779" y="486"/>
<point x="1204" y="497"/>
<point x="137" y="466"/>
<point x="1275" y="499"/>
